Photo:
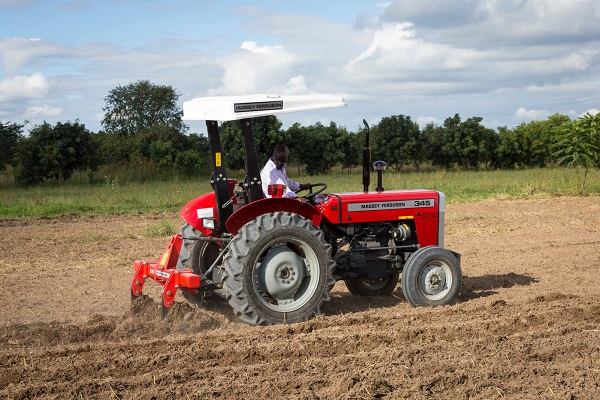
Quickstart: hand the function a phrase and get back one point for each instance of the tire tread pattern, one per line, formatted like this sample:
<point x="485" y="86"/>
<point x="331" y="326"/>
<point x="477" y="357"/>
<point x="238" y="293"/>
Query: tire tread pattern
<point x="236" y="259"/>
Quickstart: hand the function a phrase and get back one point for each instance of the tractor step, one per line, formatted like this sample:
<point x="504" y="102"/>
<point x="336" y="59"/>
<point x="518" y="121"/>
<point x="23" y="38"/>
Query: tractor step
<point x="164" y="272"/>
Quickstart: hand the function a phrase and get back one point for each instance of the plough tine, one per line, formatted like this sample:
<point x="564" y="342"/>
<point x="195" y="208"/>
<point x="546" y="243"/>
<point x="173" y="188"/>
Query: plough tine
<point x="164" y="311"/>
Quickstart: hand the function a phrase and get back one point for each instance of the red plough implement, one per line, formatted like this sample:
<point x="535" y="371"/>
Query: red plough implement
<point x="164" y="272"/>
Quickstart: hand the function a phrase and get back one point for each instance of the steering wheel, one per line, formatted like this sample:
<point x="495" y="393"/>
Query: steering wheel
<point x="311" y="195"/>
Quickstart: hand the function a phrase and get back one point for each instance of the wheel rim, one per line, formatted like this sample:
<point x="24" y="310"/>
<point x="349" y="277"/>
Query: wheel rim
<point x="286" y="276"/>
<point x="435" y="280"/>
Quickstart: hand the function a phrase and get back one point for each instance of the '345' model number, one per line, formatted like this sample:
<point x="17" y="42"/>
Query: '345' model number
<point x="422" y="203"/>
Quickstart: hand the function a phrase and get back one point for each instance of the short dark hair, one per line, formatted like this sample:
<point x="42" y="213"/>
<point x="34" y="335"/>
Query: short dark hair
<point x="281" y="153"/>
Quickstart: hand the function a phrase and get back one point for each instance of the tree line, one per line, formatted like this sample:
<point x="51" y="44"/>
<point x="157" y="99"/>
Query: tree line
<point x="143" y="133"/>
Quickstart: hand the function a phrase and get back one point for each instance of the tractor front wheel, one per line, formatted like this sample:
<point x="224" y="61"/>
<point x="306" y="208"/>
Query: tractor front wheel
<point x="278" y="270"/>
<point x="431" y="277"/>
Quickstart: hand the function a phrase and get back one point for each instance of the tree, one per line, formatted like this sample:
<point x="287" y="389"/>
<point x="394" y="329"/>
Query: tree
<point x="321" y="147"/>
<point x="578" y="145"/>
<point x="397" y="141"/>
<point x="136" y="108"/>
<point x="351" y="149"/>
<point x="267" y="134"/>
<point x="535" y="139"/>
<point x="9" y="138"/>
<point x="295" y="142"/>
<point x="55" y="152"/>
<point x="196" y="158"/>
<point x="508" y="152"/>
<point x="467" y="142"/>
<point x="434" y="140"/>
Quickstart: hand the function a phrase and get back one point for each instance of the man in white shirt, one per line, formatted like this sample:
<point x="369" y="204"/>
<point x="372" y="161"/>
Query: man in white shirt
<point x="274" y="173"/>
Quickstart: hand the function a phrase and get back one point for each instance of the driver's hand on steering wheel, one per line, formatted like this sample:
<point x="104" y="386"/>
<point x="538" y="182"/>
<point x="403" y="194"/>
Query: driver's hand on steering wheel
<point x="305" y="186"/>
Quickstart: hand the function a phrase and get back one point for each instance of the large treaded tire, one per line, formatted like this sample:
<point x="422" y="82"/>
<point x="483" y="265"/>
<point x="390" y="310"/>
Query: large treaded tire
<point x="431" y="277"/>
<point x="372" y="287"/>
<point x="278" y="270"/>
<point x="197" y="255"/>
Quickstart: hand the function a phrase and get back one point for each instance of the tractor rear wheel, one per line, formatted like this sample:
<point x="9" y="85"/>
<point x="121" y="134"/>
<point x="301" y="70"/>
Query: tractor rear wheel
<point x="278" y="270"/>
<point x="431" y="277"/>
<point x="197" y="255"/>
<point x="372" y="287"/>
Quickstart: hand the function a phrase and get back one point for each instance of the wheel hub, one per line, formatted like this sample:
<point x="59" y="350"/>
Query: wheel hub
<point x="281" y="273"/>
<point x="434" y="280"/>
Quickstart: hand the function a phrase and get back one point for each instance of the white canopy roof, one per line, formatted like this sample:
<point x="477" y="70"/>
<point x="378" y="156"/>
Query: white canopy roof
<point x="228" y="108"/>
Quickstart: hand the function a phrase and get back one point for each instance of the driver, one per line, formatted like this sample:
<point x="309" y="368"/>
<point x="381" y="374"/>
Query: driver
<point x="274" y="173"/>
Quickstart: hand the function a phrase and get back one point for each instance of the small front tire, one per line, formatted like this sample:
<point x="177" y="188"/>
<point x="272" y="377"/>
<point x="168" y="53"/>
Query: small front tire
<point x="431" y="277"/>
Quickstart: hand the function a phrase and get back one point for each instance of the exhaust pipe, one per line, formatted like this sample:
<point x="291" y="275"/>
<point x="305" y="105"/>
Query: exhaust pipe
<point x="366" y="160"/>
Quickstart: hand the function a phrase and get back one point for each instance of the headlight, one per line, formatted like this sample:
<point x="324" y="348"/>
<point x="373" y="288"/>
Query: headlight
<point x="208" y="223"/>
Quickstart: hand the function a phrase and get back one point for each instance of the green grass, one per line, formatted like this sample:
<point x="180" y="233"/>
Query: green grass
<point x="160" y="229"/>
<point x="115" y="198"/>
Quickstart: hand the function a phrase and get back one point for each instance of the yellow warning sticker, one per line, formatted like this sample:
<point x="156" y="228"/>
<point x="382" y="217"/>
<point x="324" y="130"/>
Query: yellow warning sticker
<point x="164" y="259"/>
<point x="217" y="159"/>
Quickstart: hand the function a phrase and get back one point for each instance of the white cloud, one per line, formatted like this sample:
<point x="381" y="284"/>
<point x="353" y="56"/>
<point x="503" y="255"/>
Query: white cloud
<point x="477" y="23"/>
<point x="473" y="57"/>
<point x="592" y="111"/>
<point x="256" y="69"/>
<point x="44" y="111"/>
<point x="24" y="87"/>
<point x="16" y="53"/>
<point x="296" y="85"/>
<point x="253" y="47"/>
<point x="398" y="56"/>
<point x="424" y="121"/>
<point x="524" y="114"/>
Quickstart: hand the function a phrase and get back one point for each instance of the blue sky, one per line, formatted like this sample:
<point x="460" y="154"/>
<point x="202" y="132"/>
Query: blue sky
<point x="507" y="61"/>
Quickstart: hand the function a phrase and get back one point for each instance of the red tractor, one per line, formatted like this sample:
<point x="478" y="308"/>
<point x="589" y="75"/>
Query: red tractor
<point x="274" y="258"/>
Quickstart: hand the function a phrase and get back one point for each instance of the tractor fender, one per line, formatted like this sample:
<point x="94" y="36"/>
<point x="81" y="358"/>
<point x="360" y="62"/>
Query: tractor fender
<point x="266" y="206"/>
<point x="204" y="206"/>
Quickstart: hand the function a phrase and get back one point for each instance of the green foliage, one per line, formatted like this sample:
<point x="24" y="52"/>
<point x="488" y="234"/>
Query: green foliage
<point x="139" y="107"/>
<point x="55" y="152"/>
<point x="434" y="139"/>
<point x="319" y="147"/>
<point x="468" y="143"/>
<point x="508" y="151"/>
<point x="351" y="149"/>
<point x="144" y="138"/>
<point x="267" y="134"/>
<point x="145" y="134"/>
<point x="397" y="140"/>
<point x="10" y="134"/>
<point x="578" y="146"/>
<point x="162" y="152"/>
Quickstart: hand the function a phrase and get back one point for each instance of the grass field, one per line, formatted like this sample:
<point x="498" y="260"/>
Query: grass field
<point x="113" y="197"/>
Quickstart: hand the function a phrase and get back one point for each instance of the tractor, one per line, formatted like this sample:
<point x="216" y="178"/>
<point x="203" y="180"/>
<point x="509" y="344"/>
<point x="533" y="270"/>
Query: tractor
<point x="275" y="259"/>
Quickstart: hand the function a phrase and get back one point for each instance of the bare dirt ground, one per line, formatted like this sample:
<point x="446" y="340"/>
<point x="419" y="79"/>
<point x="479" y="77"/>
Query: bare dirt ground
<point x="527" y="324"/>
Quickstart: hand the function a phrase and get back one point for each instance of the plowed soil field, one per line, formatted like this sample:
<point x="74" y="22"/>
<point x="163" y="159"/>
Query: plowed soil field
<point x="527" y="323"/>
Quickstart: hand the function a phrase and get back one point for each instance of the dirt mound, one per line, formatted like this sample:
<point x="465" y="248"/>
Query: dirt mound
<point x="527" y="323"/>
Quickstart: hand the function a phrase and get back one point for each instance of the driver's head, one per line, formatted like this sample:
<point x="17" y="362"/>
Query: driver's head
<point x="280" y="155"/>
